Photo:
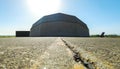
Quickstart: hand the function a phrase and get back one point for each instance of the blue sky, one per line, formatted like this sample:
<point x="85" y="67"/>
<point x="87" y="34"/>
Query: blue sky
<point x="99" y="15"/>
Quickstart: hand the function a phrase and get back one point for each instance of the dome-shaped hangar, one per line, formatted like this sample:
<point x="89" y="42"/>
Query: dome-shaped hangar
<point x="59" y="25"/>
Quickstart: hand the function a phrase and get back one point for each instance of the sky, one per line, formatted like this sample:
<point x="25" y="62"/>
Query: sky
<point x="99" y="15"/>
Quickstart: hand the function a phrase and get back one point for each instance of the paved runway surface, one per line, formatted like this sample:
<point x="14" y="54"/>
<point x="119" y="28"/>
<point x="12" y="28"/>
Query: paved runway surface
<point x="53" y="53"/>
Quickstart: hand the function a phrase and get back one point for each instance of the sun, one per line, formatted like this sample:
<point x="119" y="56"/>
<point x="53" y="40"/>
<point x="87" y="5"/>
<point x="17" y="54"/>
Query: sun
<point x="43" y="7"/>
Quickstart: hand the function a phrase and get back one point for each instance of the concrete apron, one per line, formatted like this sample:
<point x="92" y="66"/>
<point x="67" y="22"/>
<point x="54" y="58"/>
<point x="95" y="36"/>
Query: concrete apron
<point x="57" y="56"/>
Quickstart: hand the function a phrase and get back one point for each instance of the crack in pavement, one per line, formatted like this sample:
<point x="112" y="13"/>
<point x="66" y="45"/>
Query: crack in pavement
<point x="86" y="58"/>
<point x="78" y="58"/>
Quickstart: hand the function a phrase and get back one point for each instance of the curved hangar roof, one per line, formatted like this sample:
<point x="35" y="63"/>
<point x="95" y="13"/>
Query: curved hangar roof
<point x="57" y="19"/>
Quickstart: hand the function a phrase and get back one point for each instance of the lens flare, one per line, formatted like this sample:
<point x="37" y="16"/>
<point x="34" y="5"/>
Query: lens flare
<point x="43" y="7"/>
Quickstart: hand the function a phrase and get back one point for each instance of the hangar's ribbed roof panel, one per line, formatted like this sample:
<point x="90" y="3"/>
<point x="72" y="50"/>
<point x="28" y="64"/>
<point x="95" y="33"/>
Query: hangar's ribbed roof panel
<point x="58" y="17"/>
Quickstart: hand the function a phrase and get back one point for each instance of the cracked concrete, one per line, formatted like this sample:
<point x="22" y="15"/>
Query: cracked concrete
<point x="53" y="53"/>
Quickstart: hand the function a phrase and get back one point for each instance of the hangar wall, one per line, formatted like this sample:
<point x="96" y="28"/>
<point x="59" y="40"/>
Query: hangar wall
<point x="60" y="28"/>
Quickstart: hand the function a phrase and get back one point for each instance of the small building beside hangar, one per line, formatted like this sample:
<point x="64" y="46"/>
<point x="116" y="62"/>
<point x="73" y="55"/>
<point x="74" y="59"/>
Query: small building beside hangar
<point x="22" y="33"/>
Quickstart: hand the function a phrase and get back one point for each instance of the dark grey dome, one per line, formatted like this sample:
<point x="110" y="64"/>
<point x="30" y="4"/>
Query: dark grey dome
<point x="64" y="24"/>
<point x="58" y="17"/>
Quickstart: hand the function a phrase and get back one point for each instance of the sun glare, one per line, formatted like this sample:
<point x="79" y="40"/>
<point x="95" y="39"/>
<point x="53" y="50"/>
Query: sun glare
<point x="43" y="7"/>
